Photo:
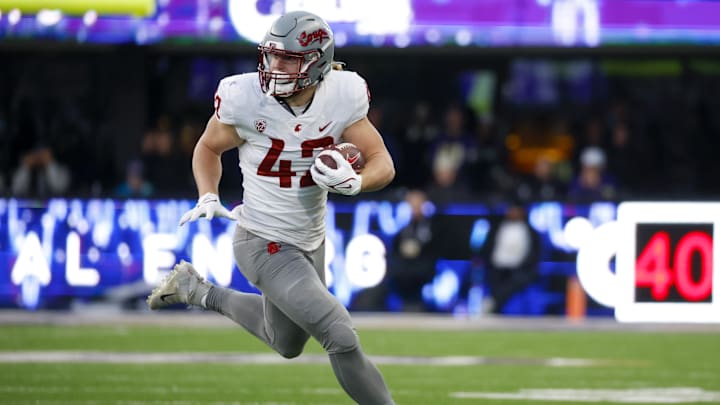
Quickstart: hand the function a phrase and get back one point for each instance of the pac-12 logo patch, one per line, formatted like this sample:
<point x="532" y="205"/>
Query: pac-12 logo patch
<point x="260" y="125"/>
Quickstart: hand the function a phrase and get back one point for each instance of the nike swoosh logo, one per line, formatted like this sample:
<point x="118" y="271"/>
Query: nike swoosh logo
<point x="322" y="128"/>
<point x="162" y="297"/>
<point x="207" y="200"/>
<point x="353" y="159"/>
<point x="343" y="184"/>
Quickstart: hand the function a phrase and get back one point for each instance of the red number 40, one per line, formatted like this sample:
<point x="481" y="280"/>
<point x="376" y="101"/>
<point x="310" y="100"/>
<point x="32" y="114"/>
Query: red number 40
<point x="284" y="171"/>
<point x="653" y="266"/>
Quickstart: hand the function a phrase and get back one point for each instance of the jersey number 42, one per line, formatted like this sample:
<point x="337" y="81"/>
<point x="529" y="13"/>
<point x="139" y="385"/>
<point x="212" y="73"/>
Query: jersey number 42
<point x="285" y="172"/>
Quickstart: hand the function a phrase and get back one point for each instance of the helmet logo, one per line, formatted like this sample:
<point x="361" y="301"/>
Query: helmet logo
<point x="306" y="38"/>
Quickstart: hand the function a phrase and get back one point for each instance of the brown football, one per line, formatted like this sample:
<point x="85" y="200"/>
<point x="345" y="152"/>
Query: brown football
<point x="328" y="161"/>
<point x="350" y="152"/>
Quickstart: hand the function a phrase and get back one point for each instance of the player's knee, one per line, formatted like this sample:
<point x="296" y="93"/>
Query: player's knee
<point x="340" y="338"/>
<point x="290" y="352"/>
<point x="291" y="346"/>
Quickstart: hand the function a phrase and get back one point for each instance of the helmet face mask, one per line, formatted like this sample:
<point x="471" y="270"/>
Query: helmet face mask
<point x="291" y="77"/>
<point x="296" y="53"/>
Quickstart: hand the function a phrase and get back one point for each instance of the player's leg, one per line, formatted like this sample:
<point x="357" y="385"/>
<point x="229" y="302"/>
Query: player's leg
<point x="358" y="376"/>
<point x="183" y="285"/>
<point x="295" y="300"/>
<point x="253" y="312"/>
<point x="293" y="281"/>
<point x="261" y="318"/>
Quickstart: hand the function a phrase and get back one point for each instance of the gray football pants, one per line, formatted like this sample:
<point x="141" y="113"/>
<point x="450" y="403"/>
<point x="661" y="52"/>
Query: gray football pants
<point x="295" y="304"/>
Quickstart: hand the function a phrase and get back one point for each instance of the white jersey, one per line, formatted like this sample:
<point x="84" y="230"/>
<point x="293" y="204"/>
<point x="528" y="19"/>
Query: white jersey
<point x="281" y="202"/>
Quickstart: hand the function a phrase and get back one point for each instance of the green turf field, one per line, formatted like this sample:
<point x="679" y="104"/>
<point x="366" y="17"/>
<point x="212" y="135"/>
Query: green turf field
<point x="124" y="364"/>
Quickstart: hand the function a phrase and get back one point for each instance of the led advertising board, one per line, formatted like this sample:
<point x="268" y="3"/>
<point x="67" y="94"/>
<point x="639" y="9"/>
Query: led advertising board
<point x="370" y="23"/>
<point x="68" y="249"/>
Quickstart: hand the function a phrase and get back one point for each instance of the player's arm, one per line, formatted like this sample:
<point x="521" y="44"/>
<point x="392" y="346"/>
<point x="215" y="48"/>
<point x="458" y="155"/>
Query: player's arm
<point x="379" y="167"/>
<point x="207" y="166"/>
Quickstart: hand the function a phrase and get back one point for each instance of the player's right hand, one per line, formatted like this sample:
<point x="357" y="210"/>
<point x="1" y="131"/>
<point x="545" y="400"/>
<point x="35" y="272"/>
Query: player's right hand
<point x="342" y="179"/>
<point x="208" y="206"/>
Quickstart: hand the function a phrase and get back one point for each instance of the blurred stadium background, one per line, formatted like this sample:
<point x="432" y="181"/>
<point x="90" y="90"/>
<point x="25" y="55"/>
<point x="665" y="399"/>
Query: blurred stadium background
<point x="594" y="123"/>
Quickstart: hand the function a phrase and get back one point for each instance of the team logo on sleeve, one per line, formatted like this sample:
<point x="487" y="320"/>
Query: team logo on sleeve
<point x="260" y="125"/>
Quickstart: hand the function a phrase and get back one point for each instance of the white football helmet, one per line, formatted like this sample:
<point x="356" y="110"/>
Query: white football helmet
<point x="300" y="36"/>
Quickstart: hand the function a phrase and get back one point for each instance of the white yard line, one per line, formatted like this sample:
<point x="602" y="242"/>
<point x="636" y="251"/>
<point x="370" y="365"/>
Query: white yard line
<point x="675" y="395"/>
<point x="260" y="358"/>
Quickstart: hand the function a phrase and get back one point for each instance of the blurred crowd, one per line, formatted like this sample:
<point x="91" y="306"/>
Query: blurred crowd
<point x="448" y="153"/>
<point x="636" y="137"/>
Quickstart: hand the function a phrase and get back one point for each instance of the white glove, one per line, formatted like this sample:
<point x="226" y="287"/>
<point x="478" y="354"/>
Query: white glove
<point x="208" y="206"/>
<point x="342" y="180"/>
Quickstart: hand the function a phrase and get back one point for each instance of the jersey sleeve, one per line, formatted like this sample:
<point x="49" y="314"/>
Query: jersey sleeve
<point x="224" y="108"/>
<point x="359" y="98"/>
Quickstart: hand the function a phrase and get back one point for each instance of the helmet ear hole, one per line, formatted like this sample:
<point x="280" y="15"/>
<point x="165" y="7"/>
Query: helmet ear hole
<point x="322" y="69"/>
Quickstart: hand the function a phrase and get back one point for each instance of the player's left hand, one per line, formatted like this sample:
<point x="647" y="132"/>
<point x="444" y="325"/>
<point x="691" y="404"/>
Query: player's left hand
<point x="342" y="180"/>
<point x="209" y="207"/>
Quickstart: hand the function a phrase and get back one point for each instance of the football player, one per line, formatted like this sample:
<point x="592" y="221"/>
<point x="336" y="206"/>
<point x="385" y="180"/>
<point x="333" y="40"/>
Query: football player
<point x="280" y="119"/>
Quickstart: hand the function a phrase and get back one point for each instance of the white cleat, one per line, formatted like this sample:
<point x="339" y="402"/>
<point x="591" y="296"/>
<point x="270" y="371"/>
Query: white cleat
<point x="183" y="285"/>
